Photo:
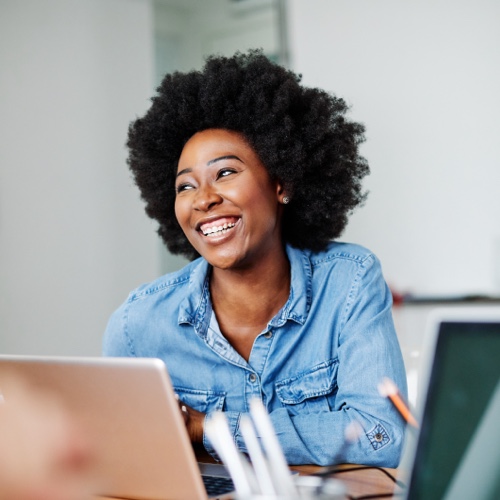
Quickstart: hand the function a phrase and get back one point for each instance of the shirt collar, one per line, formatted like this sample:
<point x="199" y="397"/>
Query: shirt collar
<point x="196" y="307"/>
<point x="297" y="306"/>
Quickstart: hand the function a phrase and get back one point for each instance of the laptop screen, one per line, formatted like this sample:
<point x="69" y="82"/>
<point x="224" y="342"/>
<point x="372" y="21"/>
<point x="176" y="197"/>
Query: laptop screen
<point x="463" y="383"/>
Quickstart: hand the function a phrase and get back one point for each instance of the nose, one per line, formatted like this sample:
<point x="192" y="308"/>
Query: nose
<point x="206" y="199"/>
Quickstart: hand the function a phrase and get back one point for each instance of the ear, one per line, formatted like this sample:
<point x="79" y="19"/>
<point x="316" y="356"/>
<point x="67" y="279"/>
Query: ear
<point x="282" y="194"/>
<point x="280" y="190"/>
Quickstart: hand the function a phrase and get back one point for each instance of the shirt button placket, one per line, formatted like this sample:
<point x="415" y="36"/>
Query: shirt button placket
<point x="259" y="355"/>
<point x="253" y="386"/>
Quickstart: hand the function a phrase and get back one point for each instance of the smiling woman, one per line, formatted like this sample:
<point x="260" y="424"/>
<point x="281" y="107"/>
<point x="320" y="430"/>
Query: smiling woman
<point x="253" y="175"/>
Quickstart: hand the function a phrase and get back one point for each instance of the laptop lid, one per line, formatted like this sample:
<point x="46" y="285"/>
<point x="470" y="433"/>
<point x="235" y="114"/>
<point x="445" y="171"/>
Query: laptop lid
<point x="128" y="408"/>
<point x="456" y="454"/>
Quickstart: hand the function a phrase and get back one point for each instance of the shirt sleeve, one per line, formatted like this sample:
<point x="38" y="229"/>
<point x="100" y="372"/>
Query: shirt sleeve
<point x="115" y="341"/>
<point x="368" y="351"/>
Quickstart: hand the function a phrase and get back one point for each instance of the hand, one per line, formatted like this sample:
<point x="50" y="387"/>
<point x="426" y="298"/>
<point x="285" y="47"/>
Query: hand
<point x="194" y="421"/>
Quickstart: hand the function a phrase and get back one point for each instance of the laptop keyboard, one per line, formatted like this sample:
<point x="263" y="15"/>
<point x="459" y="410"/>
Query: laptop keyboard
<point x="217" y="485"/>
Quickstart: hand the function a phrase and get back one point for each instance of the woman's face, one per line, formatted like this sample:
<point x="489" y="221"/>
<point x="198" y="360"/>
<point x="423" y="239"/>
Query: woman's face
<point x="226" y="203"/>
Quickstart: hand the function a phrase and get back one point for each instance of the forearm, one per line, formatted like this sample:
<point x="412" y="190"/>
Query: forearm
<point x="320" y="438"/>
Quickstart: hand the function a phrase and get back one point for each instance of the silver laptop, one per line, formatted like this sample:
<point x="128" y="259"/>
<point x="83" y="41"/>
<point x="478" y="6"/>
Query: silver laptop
<point x="129" y="410"/>
<point x="456" y="453"/>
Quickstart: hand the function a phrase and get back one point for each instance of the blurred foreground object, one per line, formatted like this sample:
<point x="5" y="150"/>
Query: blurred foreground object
<point x="43" y="453"/>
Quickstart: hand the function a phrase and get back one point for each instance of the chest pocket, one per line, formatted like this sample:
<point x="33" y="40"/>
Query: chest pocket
<point x="204" y="401"/>
<point x="312" y="391"/>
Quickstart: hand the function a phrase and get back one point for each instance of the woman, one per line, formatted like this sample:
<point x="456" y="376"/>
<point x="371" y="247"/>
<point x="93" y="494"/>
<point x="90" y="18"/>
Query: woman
<point x="252" y="175"/>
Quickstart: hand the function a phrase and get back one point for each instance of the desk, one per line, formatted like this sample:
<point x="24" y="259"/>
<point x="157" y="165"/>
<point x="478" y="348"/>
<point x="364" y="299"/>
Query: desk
<point x="358" y="482"/>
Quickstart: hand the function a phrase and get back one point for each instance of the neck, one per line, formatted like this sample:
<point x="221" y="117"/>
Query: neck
<point x="254" y="294"/>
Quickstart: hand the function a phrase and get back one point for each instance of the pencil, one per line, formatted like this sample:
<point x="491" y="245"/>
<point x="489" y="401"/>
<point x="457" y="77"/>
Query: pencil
<point x="388" y="389"/>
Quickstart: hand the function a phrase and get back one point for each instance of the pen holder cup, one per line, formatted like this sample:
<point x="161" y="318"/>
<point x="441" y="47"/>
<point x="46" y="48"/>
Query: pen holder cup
<point x="309" y="488"/>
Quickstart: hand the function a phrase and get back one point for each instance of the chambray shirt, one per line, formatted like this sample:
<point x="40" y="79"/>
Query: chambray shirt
<point x="315" y="366"/>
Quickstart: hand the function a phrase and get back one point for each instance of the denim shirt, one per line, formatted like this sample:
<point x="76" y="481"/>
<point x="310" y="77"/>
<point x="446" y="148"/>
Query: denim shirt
<point x="316" y="365"/>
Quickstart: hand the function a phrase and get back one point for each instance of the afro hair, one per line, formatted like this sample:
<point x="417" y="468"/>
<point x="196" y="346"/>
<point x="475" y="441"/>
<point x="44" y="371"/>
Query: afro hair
<point x="300" y="134"/>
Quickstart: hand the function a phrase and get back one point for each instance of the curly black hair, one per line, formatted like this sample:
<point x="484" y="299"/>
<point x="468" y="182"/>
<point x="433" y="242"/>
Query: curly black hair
<point x="300" y="134"/>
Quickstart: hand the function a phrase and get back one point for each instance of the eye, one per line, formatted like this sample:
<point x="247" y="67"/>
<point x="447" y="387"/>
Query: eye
<point x="183" y="187"/>
<point x="224" y="172"/>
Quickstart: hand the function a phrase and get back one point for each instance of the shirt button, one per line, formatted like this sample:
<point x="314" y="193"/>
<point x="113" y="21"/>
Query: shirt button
<point x="252" y="377"/>
<point x="378" y="437"/>
<point x="268" y="335"/>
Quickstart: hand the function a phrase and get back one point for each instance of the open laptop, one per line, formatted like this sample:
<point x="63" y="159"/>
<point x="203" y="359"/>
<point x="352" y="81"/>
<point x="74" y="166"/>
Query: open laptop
<point x="128" y="408"/>
<point x="456" y="454"/>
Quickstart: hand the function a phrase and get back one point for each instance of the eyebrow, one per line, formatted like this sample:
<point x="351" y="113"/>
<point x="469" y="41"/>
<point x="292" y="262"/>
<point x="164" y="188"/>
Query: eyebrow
<point x="227" y="157"/>
<point x="210" y="162"/>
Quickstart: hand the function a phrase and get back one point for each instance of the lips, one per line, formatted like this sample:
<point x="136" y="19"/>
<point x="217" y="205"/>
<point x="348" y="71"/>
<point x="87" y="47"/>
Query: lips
<point x="218" y="226"/>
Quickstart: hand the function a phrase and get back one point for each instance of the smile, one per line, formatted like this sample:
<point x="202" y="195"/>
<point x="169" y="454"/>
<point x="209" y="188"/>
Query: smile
<point x="217" y="227"/>
<point x="214" y="231"/>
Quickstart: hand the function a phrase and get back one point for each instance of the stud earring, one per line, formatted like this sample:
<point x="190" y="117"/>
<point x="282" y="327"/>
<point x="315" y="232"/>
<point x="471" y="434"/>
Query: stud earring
<point x="286" y="200"/>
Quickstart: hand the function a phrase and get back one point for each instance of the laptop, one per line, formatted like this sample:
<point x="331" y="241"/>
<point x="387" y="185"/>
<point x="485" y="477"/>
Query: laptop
<point x="128" y="408"/>
<point x="456" y="453"/>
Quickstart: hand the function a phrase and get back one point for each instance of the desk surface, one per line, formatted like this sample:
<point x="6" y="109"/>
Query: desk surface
<point x="359" y="482"/>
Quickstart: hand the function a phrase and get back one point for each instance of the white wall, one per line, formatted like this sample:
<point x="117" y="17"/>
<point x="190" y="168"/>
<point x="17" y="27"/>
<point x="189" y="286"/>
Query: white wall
<point x="74" y="238"/>
<point x="424" y="77"/>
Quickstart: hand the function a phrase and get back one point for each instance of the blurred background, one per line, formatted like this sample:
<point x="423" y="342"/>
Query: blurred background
<point x="422" y="75"/>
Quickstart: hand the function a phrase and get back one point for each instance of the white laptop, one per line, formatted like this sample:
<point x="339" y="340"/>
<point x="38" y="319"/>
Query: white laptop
<point x="129" y="409"/>
<point x="456" y="453"/>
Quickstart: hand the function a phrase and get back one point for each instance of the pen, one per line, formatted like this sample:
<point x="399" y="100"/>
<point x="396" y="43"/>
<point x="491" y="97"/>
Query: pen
<point x="218" y="432"/>
<point x="284" y="482"/>
<point x="259" y="461"/>
<point x="388" y="389"/>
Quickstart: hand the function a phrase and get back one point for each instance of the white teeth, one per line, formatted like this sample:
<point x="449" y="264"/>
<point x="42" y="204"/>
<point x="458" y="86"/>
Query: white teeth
<point x="214" y="230"/>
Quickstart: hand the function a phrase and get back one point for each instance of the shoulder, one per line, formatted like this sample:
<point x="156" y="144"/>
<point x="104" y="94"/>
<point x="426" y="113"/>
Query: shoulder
<point x="143" y="312"/>
<point x="341" y="252"/>
<point x="166" y="284"/>
<point x="342" y="268"/>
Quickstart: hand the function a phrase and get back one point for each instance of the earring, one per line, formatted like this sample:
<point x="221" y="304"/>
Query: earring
<point x="286" y="200"/>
